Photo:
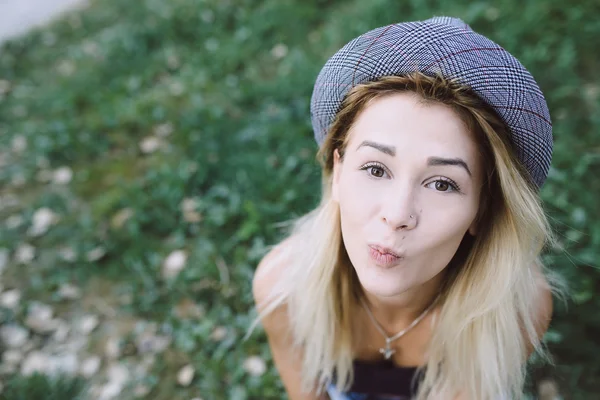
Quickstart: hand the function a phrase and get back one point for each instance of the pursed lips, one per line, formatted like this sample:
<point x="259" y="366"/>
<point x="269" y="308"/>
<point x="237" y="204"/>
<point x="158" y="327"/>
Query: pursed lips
<point x="386" y="250"/>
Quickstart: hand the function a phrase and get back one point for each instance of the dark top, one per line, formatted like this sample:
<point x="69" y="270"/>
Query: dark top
<point x="382" y="380"/>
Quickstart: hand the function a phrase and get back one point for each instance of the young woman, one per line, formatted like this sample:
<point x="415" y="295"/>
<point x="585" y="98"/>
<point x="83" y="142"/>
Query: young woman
<point x="418" y="275"/>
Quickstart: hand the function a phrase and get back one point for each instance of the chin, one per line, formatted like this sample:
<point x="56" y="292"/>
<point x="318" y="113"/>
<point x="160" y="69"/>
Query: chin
<point x="382" y="284"/>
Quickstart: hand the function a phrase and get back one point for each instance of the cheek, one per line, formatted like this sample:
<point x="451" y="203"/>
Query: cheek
<point x="443" y="230"/>
<point x="357" y="200"/>
<point x="357" y="208"/>
<point x="444" y="225"/>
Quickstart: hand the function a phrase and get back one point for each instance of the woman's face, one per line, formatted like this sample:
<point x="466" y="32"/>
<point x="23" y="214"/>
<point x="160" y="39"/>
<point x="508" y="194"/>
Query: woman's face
<point x="408" y="191"/>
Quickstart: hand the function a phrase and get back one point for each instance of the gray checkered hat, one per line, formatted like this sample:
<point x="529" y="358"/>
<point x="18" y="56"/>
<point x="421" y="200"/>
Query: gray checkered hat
<point x="448" y="46"/>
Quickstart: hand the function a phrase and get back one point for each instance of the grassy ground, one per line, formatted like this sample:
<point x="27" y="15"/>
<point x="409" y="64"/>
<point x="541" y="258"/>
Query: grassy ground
<point x="186" y="126"/>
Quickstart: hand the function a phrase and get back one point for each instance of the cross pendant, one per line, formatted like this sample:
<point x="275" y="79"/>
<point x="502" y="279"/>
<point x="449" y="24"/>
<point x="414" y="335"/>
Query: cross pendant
<point x="388" y="351"/>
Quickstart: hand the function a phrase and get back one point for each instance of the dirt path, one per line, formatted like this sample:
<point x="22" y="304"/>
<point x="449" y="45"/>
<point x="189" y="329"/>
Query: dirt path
<point x="18" y="16"/>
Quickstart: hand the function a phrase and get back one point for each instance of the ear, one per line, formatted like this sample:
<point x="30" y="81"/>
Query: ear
<point x="336" y="176"/>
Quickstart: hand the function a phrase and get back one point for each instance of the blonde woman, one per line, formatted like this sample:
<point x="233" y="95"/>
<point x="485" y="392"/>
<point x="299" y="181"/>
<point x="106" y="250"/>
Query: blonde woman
<point x="418" y="275"/>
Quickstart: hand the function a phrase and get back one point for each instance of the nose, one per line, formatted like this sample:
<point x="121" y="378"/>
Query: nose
<point x="399" y="211"/>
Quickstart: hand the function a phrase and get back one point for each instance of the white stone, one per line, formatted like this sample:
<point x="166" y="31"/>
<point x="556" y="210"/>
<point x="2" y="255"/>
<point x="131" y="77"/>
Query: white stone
<point x="4" y="86"/>
<point x="43" y="219"/>
<point x="76" y="344"/>
<point x="8" y="200"/>
<point x="39" y="318"/>
<point x="110" y="391"/>
<point x="12" y="357"/>
<point x="36" y="361"/>
<point x="163" y="130"/>
<point x="66" y="67"/>
<point x="150" y="144"/>
<point x="95" y="254"/>
<point x="279" y="51"/>
<point x="173" y="61"/>
<point x="548" y="390"/>
<point x="141" y="390"/>
<point x="62" y="176"/>
<point x="176" y="88"/>
<point x="112" y="348"/>
<point x="150" y="343"/>
<point x="88" y="323"/>
<point x="10" y="299"/>
<point x="219" y="333"/>
<point x="68" y="254"/>
<point x="41" y="326"/>
<point x="118" y="373"/>
<point x="19" y="144"/>
<point x="40" y="310"/>
<point x="117" y="376"/>
<point x="255" y="366"/>
<point x="13" y="221"/>
<point x="90" y="366"/>
<point x="146" y="364"/>
<point x="67" y="291"/>
<point x="185" y="375"/>
<point x="90" y="48"/>
<point x="61" y="332"/>
<point x="121" y="217"/>
<point x="174" y="263"/>
<point x="192" y="217"/>
<point x="66" y="363"/>
<point x="189" y="204"/>
<point x="188" y="208"/>
<point x="25" y="253"/>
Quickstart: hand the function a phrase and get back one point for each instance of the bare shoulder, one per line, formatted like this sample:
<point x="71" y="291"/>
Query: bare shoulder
<point x="545" y="303"/>
<point x="543" y="307"/>
<point x="286" y="356"/>
<point x="270" y="269"/>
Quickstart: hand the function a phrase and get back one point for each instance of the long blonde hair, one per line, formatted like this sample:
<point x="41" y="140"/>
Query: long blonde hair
<point x="490" y="299"/>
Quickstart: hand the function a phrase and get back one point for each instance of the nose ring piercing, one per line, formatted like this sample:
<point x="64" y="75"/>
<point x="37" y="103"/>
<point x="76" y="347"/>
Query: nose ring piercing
<point x="411" y="217"/>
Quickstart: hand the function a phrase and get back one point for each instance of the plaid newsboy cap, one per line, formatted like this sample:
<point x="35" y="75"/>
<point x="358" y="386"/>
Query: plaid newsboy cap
<point x="446" y="46"/>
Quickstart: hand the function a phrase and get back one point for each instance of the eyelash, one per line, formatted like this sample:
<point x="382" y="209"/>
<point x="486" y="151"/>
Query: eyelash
<point x="371" y="165"/>
<point x="453" y="185"/>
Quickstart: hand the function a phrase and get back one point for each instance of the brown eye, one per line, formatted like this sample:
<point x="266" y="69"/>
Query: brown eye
<point x="445" y="185"/>
<point x="377" y="172"/>
<point x="442" y="186"/>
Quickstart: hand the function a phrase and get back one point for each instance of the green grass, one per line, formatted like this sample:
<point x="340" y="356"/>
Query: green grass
<point x="38" y="387"/>
<point x="85" y="91"/>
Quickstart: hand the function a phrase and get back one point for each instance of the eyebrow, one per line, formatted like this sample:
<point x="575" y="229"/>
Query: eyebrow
<point x="431" y="161"/>
<point x="389" y="150"/>
<point x="449" y="161"/>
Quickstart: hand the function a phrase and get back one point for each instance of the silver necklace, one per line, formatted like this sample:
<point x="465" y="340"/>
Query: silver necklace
<point x="388" y="351"/>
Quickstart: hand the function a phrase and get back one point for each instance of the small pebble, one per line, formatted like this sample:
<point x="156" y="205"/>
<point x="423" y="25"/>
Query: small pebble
<point x="185" y="375"/>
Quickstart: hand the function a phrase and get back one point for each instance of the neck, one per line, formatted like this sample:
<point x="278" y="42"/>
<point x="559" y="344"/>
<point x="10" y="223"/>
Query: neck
<point x="398" y="311"/>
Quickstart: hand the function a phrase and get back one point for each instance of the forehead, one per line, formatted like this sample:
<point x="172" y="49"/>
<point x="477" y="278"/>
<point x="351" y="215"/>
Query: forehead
<point x="414" y="127"/>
